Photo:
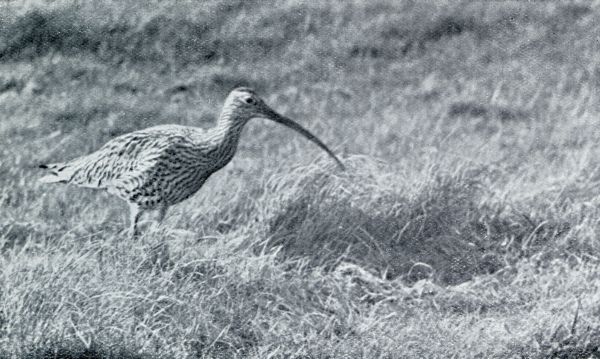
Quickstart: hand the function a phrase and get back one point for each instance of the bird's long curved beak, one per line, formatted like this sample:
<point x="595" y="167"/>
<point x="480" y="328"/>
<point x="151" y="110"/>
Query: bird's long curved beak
<point x="274" y="116"/>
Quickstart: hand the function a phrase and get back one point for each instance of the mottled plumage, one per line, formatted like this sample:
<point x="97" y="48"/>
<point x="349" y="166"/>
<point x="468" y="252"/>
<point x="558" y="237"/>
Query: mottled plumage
<point x="163" y="165"/>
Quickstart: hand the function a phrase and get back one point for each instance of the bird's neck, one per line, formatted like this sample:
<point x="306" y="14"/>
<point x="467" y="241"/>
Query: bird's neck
<point x="225" y="136"/>
<point x="229" y="127"/>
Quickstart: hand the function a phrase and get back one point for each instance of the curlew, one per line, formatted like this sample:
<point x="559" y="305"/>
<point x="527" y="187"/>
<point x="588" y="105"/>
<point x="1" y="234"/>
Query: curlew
<point x="160" y="166"/>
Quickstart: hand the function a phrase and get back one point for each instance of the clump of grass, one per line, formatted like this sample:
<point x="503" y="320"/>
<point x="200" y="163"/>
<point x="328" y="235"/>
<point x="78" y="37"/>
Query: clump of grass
<point x="11" y="84"/>
<point x="490" y="112"/>
<point x="379" y="225"/>
<point x="78" y="350"/>
<point x="444" y="220"/>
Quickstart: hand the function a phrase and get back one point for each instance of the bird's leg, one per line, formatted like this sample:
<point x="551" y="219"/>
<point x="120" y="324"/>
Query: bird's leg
<point x="134" y="217"/>
<point x="162" y="212"/>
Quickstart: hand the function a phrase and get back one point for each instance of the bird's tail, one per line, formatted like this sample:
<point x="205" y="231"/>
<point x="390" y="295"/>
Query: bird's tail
<point x="58" y="173"/>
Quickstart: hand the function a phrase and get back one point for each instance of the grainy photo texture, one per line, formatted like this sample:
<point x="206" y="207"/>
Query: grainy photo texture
<point x="299" y="179"/>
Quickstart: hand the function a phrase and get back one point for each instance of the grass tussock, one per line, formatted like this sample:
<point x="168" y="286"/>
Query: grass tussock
<point x="381" y="225"/>
<point x="466" y="224"/>
<point x="449" y="222"/>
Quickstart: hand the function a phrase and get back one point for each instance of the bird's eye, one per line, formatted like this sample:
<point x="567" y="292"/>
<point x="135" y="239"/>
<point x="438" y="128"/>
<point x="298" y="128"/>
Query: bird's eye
<point x="250" y="101"/>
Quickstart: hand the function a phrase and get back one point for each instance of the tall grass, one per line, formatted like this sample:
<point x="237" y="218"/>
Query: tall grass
<point x="465" y="226"/>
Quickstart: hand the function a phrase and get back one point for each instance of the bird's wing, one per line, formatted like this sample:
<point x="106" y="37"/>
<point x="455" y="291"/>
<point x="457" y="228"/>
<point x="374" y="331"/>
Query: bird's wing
<point x="126" y="156"/>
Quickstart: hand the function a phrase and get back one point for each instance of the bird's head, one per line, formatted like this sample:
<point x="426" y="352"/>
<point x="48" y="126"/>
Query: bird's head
<point x="244" y="104"/>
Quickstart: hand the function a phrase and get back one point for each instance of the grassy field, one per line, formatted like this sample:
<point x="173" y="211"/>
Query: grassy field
<point x="466" y="225"/>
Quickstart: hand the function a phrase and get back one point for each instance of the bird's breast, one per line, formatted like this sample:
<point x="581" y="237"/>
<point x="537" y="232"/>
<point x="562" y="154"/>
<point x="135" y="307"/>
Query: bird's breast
<point x="219" y="158"/>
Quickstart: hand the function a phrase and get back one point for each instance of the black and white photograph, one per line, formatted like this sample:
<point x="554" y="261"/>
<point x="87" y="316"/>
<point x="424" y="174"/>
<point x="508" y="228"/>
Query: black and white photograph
<point x="299" y="179"/>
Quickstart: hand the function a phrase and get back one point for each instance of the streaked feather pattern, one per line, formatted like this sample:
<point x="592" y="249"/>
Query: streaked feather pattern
<point x="163" y="165"/>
